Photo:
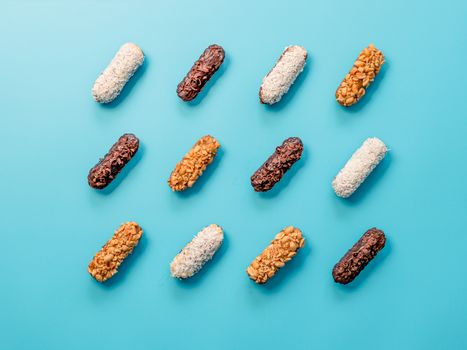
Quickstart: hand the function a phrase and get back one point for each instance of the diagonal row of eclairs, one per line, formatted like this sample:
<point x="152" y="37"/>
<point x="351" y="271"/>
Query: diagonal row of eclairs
<point x="275" y="84"/>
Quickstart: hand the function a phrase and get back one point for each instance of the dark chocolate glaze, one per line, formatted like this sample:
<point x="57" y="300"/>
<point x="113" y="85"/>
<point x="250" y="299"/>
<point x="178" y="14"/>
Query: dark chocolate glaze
<point x="104" y="172"/>
<point x="355" y="260"/>
<point x="203" y="69"/>
<point x="277" y="165"/>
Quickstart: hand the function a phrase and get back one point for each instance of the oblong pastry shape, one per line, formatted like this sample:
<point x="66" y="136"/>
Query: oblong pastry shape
<point x="200" y="73"/>
<point x="112" y="80"/>
<point x="359" y="166"/>
<point x="277" y="165"/>
<point x="362" y="74"/>
<point x="193" y="164"/>
<point x="105" y="263"/>
<point x="281" y="250"/>
<point x="198" y="252"/>
<point x="357" y="257"/>
<point x="105" y="171"/>
<point x="281" y="77"/>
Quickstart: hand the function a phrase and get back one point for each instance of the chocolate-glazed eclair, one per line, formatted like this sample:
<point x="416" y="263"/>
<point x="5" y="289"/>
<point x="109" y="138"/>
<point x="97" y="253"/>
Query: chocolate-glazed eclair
<point x="104" y="172"/>
<point x="355" y="260"/>
<point x="277" y="164"/>
<point x="203" y="69"/>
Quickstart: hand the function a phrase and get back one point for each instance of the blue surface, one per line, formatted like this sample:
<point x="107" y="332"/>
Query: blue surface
<point x="412" y="296"/>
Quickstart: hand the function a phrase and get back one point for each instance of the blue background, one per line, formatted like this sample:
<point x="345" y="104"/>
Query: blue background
<point x="412" y="296"/>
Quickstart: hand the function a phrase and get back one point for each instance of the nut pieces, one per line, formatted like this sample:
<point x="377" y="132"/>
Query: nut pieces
<point x="363" y="72"/>
<point x="277" y="165"/>
<point x="105" y="171"/>
<point x="362" y="252"/>
<point x="192" y="166"/>
<point x="203" y="69"/>
<point x="281" y="250"/>
<point x="106" y="262"/>
<point x="204" y="245"/>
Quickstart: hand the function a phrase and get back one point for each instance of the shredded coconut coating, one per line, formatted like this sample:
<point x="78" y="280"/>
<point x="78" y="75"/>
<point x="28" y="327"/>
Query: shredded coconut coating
<point x="358" y="167"/>
<point x="106" y="262"/>
<point x="122" y="67"/>
<point x="281" y="250"/>
<point x="363" y="72"/>
<point x="192" y="166"/>
<point x="279" y="79"/>
<point x="198" y="252"/>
